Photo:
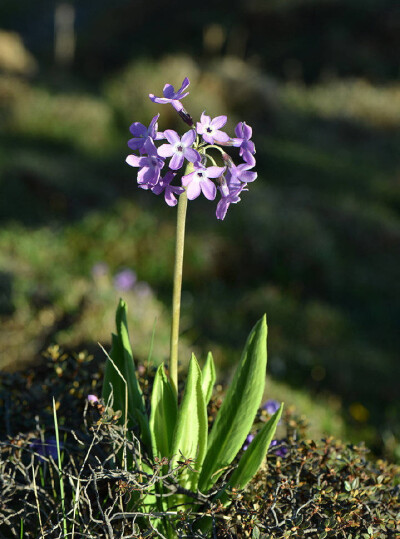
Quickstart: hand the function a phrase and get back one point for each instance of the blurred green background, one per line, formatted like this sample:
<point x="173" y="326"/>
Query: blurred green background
<point x="315" y="242"/>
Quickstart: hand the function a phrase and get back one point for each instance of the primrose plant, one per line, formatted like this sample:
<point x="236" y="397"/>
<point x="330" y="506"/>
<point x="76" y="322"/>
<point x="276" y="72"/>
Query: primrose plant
<point x="171" y="431"/>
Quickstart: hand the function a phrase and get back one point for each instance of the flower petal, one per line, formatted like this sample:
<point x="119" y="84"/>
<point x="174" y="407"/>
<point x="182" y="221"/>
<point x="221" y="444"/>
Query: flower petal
<point x="204" y="119"/>
<point x="214" y="172"/>
<point x="208" y="188"/>
<point x="247" y="176"/>
<point x="137" y="129"/>
<point x="247" y="131"/>
<point x="250" y="160"/>
<point x="222" y="208"/>
<point x="135" y="143"/>
<point x="170" y="198"/>
<point x="176" y="161"/>
<point x="168" y="91"/>
<point x="208" y="138"/>
<point x="220" y="136"/>
<point x="177" y="104"/>
<point x="219" y="121"/>
<point x="199" y="128"/>
<point x="189" y="137"/>
<point x="161" y="100"/>
<point x="193" y="190"/>
<point x="152" y="130"/>
<point x="192" y="155"/>
<point x="185" y="84"/>
<point x="149" y="146"/>
<point x="165" y="150"/>
<point x="133" y="160"/>
<point x="172" y="136"/>
<point x="187" y="179"/>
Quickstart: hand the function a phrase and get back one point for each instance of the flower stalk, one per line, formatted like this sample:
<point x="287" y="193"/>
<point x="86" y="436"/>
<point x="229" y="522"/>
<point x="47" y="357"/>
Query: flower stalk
<point x="177" y="286"/>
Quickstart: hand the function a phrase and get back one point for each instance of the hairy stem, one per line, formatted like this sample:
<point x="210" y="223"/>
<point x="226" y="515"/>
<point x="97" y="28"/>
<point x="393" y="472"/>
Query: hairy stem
<point x="176" y="295"/>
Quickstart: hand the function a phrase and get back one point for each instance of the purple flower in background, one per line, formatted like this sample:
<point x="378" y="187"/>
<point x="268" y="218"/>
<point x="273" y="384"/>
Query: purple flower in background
<point x="150" y="166"/>
<point x="179" y="148"/>
<point x="271" y="406"/>
<point x="125" y="279"/>
<point x="170" y="96"/>
<point x="93" y="399"/>
<point x="141" y="133"/>
<point x="169" y="190"/>
<point x="249" y="439"/>
<point x="281" y="450"/>
<point x="46" y="448"/>
<point x="199" y="181"/>
<point x="100" y="269"/>
<point x="143" y="289"/>
<point x="244" y="133"/>
<point x="210" y="128"/>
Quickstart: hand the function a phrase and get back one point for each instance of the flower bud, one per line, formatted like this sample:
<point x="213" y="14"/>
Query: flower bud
<point x="185" y="117"/>
<point x="227" y="159"/>
<point x="222" y="185"/>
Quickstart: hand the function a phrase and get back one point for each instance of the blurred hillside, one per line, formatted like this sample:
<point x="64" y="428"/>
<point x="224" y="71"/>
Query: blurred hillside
<point x="315" y="243"/>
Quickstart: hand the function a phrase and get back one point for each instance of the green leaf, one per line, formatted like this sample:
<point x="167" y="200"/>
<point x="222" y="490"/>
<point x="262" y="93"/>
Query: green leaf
<point x="120" y="376"/>
<point x="134" y="391"/>
<point x="113" y="382"/>
<point x="239" y="408"/>
<point x="190" y="436"/>
<point x="208" y="377"/>
<point x="163" y="414"/>
<point x="255" y="454"/>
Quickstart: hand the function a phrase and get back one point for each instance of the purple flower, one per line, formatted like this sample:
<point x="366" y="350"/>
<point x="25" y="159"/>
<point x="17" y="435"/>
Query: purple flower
<point x="93" y="399"/>
<point x="169" y="190"/>
<point x="249" y="439"/>
<point x="125" y="279"/>
<point x="45" y="449"/>
<point x="141" y="133"/>
<point x="223" y="186"/>
<point x="199" y="181"/>
<point x="225" y="202"/>
<point x="281" y="450"/>
<point x="271" y="406"/>
<point x="237" y="175"/>
<point x="150" y="166"/>
<point x="170" y="96"/>
<point x="179" y="148"/>
<point x="244" y="133"/>
<point x="210" y="128"/>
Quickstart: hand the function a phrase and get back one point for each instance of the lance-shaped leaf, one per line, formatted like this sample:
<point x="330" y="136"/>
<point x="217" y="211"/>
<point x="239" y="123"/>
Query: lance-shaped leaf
<point x="254" y="455"/>
<point x="239" y="408"/>
<point x="248" y="465"/>
<point x="120" y="374"/>
<point x="190" y="435"/>
<point x="208" y="377"/>
<point x="115" y="386"/>
<point x="163" y="414"/>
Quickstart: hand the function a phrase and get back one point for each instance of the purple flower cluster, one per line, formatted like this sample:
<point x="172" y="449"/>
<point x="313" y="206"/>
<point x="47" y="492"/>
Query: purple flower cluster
<point x="192" y="148"/>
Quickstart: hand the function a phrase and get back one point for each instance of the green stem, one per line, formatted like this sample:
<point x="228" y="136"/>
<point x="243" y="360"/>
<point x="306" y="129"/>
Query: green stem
<point x="176" y="295"/>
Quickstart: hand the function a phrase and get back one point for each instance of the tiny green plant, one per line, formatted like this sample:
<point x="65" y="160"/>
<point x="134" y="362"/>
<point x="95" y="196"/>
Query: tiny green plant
<point x="60" y="472"/>
<point x="174" y="433"/>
